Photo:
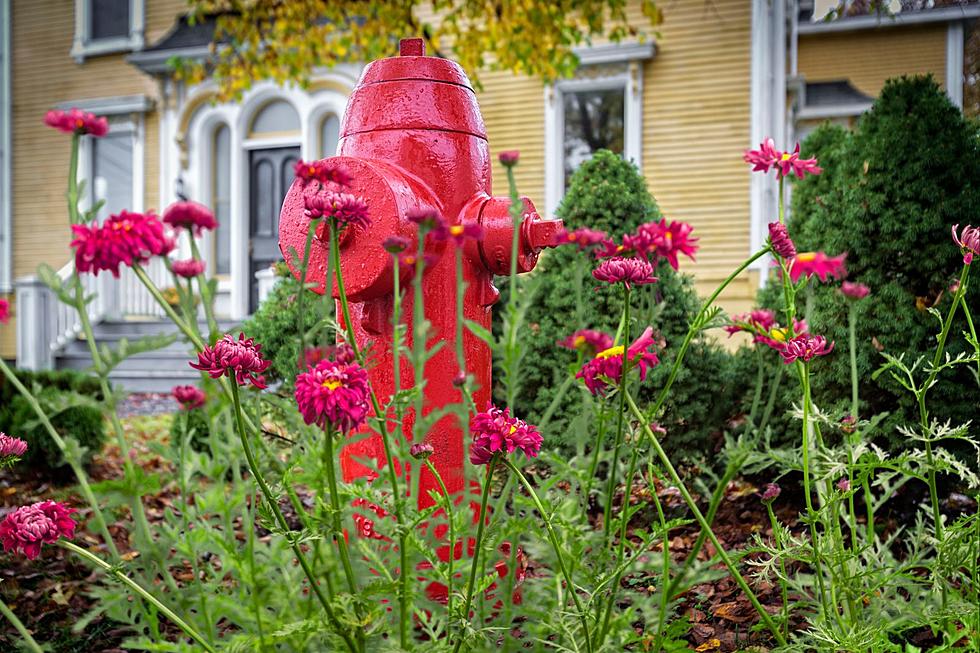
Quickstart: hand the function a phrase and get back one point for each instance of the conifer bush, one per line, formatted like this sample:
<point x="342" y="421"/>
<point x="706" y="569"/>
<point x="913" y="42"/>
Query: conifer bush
<point x="609" y="194"/>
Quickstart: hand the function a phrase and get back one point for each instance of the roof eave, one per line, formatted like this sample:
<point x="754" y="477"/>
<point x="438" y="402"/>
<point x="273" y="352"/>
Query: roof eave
<point x="944" y="15"/>
<point x="157" y="62"/>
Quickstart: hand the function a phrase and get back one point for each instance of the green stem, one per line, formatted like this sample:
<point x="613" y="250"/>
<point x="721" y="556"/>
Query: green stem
<point x="973" y="331"/>
<point x="852" y="342"/>
<point x="167" y="308"/>
<point x="336" y="511"/>
<point x="76" y="467"/>
<point x="301" y="296"/>
<point x="28" y="639"/>
<point x="771" y="402"/>
<point x="665" y="582"/>
<point x="811" y="513"/>
<point x="205" y="289"/>
<point x="555" y="402"/>
<point x="597" y="447"/>
<point x="73" y="213"/>
<point x="117" y="573"/>
<point x="559" y="554"/>
<point x="620" y="418"/>
<point x="474" y="565"/>
<point x="452" y="534"/>
<point x="759" y="378"/>
<point x="702" y="522"/>
<point x="270" y="498"/>
<point x="624" y="519"/>
<point x="784" y="609"/>
<point x="517" y="217"/>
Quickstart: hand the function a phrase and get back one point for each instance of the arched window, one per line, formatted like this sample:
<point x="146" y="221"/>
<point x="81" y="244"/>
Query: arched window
<point x="276" y="117"/>
<point x="329" y="135"/>
<point x="221" y="198"/>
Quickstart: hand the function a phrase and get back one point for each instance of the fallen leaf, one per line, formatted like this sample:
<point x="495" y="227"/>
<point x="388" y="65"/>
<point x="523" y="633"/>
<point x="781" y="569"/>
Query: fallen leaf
<point x="710" y="645"/>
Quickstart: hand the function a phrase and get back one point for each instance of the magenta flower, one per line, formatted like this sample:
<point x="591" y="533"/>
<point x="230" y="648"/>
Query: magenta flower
<point x="844" y="484"/>
<point x="11" y="449"/>
<point x="395" y="244"/>
<point x="777" y="336"/>
<point x="805" y="347"/>
<point x="782" y="244"/>
<point x="969" y="242"/>
<point x="76" y="121"/>
<point x="509" y="157"/>
<point x="606" y="369"/>
<point x="458" y="233"/>
<point x="663" y="239"/>
<point x="428" y="219"/>
<point x="756" y="322"/>
<point x="854" y="290"/>
<point x="188" y="269"/>
<point x="588" y="341"/>
<point x="341" y="352"/>
<point x="785" y="163"/>
<point x="123" y="239"/>
<point x="27" y="528"/>
<point x="188" y="396"/>
<point x="342" y="207"/>
<point x="239" y="359"/>
<point x="322" y="172"/>
<point x="495" y="431"/>
<point x="4" y="311"/>
<point x="771" y="493"/>
<point x="409" y="260"/>
<point x="333" y="393"/>
<point x="421" y="450"/>
<point x="583" y="238"/>
<point x="817" y="263"/>
<point x="628" y="271"/>
<point x="195" y="218"/>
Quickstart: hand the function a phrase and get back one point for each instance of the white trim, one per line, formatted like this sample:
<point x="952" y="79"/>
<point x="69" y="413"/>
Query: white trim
<point x="901" y="19"/>
<point x="833" y="111"/>
<point x="631" y="81"/>
<point x="83" y="46"/>
<point x="6" y="204"/>
<point x="615" y="53"/>
<point x="954" y="63"/>
<point x="111" y="106"/>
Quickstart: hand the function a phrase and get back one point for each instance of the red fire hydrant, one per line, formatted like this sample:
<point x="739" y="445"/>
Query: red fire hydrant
<point x="413" y="138"/>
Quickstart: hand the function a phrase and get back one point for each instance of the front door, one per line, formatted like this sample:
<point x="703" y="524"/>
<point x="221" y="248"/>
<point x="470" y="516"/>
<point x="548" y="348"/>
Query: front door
<point x="270" y="175"/>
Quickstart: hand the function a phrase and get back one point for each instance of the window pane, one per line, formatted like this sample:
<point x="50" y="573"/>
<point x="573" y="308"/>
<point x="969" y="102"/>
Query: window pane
<point x="108" y="19"/>
<point x="594" y="120"/>
<point x="277" y="116"/>
<point x="329" y="134"/>
<point x="112" y="172"/>
<point x="221" y="198"/>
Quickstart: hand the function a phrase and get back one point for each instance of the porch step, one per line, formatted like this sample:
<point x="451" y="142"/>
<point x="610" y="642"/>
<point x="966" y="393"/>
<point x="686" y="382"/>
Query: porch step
<point x="152" y="371"/>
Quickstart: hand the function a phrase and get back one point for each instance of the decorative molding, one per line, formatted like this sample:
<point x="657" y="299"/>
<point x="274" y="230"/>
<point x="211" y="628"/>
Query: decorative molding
<point x="83" y="46"/>
<point x="901" y="19"/>
<point x="615" y="53"/>
<point x="112" y="106"/>
<point x="833" y="111"/>
<point x="157" y="62"/>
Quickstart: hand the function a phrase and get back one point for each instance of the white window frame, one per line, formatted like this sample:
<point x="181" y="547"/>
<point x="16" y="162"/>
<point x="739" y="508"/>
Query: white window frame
<point x="134" y="125"/>
<point x="84" y="46"/>
<point x="631" y="80"/>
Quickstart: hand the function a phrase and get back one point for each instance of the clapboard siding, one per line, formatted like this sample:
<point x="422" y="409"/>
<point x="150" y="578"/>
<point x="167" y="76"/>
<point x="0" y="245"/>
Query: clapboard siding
<point x="868" y="58"/>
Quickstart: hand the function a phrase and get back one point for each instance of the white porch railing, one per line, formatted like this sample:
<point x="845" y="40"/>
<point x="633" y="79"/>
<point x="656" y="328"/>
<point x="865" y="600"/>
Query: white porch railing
<point x="45" y="324"/>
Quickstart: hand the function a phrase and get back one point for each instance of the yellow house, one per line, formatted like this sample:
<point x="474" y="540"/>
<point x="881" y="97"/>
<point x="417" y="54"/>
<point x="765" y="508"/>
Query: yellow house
<point x="719" y="77"/>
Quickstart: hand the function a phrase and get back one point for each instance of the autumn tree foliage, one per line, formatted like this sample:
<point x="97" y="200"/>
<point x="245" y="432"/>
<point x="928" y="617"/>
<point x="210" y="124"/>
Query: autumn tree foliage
<point x="286" y="41"/>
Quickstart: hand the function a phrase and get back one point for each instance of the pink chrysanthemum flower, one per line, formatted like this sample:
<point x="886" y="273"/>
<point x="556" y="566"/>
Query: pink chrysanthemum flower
<point x="123" y="239"/>
<point x="628" y="271"/>
<point x="663" y="239"/>
<point x="805" y="347"/>
<point x="192" y="216"/>
<point x="817" y="263"/>
<point x="588" y="341"/>
<point x="421" y="450"/>
<point x="343" y="207"/>
<point x="239" y="359"/>
<point x="782" y="244"/>
<point x="322" y="172"/>
<point x="785" y="163"/>
<point x="395" y="244"/>
<point x="583" y="238"/>
<point x="26" y="529"/>
<point x="335" y="394"/>
<point x="854" y="290"/>
<point x="11" y="449"/>
<point x="509" y="157"/>
<point x="969" y="242"/>
<point x="4" y="311"/>
<point x="188" y="396"/>
<point x="495" y="431"/>
<point x="458" y="233"/>
<point x="341" y="352"/>
<point x="188" y="269"/>
<point x="606" y="369"/>
<point x="428" y="219"/>
<point x="76" y="121"/>
<point x="759" y="320"/>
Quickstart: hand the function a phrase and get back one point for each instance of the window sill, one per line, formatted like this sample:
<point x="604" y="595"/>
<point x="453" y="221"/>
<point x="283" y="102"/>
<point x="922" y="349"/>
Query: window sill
<point x="82" y="51"/>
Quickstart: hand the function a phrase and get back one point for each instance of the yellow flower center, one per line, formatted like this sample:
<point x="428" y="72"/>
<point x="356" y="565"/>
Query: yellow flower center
<point x="669" y="236"/>
<point x="779" y="335"/>
<point x="79" y="122"/>
<point x="456" y="230"/>
<point x="579" y="341"/>
<point x="612" y="351"/>
<point x="312" y="170"/>
<point x="785" y="156"/>
<point x="806" y="257"/>
<point x="513" y="429"/>
<point x="331" y="384"/>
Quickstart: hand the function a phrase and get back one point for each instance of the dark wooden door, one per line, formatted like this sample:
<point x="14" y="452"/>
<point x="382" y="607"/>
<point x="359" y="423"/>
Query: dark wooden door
<point x="270" y="174"/>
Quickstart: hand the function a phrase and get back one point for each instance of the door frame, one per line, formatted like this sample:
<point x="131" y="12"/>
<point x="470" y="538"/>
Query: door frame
<point x="249" y="146"/>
